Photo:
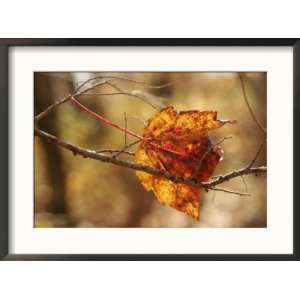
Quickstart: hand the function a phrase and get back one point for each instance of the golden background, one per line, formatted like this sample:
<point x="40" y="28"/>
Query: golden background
<point x="71" y="191"/>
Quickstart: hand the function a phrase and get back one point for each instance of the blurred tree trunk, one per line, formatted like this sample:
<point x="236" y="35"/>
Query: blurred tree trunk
<point x="45" y="94"/>
<point x="141" y="202"/>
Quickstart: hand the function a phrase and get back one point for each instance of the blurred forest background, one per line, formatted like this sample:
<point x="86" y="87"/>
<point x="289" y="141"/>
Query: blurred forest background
<point x="71" y="191"/>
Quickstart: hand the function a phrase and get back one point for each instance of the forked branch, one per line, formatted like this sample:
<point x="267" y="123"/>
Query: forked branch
<point x="86" y="153"/>
<point x="90" y="86"/>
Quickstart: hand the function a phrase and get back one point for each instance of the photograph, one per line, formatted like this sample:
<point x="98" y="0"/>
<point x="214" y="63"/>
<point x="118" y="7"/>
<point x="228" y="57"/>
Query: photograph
<point x="179" y="150"/>
<point x="150" y="149"/>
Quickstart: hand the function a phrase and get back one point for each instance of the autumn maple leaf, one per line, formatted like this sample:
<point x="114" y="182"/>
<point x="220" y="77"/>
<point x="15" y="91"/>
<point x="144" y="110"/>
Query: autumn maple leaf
<point x="178" y="143"/>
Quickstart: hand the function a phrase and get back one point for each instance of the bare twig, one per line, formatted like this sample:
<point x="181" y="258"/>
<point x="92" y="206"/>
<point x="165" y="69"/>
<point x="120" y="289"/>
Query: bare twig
<point x="114" y="151"/>
<point x="153" y="101"/>
<point x="85" y="89"/>
<point x="258" y="125"/>
<point x="125" y="139"/>
<point x="79" y="91"/>
<point x="125" y="134"/>
<point x="110" y="123"/>
<point x="105" y="94"/>
<point x="129" y="80"/>
<point x="86" y="153"/>
<point x="126" y="147"/>
<point x="156" y="102"/>
<point x="245" y="184"/>
<point x="102" y="119"/>
<point x="237" y="173"/>
<point x="211" y="147"/>
<point x="248" y="105"/>
<point x="257" y="154"/>
<point x="199" y="163"/>
<point x="230" y="191"/>
<point x="50" y="108"/>
<point x="90" y="88"/>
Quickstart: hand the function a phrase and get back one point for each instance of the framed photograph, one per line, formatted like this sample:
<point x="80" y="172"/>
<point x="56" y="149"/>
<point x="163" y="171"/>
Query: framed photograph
<point x="149" y="149"/>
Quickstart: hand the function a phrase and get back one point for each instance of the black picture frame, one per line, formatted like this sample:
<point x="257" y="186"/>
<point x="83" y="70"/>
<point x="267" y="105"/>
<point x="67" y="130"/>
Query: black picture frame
<point x="5" y="44"/>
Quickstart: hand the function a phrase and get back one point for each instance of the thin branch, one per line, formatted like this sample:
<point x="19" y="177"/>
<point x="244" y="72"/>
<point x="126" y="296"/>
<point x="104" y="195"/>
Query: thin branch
<point x="110" y="123"/>
<point x="106" y="94"/>
<point x="154" y="101"/>
<point x="89" y="88"/>
<point x="86" y="153"/>
<point x="102" y="119"/>
<point x="106" y="80"/>
<point x="245" y="184"/>
<point x="257" y="154"/>
<point x="237" y="173"/>
<point x="114" y="151"/>
<point x="125" y="134"/>
<point x="151" y="100"/>
<point x="158" y="104"/>
<point x="135" y="81"/>
<point x="248" y="105"/>
<point x="126" y="147"/>
<point x="118" y="152"/>
<point x="50" y="108"/>
<point x="230" y="191"/>
<point x="199" y="163"/>
<point x="211" y="148"/>
<point x="125" y="139"/>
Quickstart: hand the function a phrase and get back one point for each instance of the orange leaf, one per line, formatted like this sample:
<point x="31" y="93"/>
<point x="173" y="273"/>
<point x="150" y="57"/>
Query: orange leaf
<point x="178" y="143"/>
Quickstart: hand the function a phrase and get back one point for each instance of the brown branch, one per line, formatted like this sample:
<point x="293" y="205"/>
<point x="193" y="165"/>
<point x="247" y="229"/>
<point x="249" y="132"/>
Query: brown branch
<point x="237" y="173"/>
<point x="105" y="81"/>
<point x="257" y="154"/>
<point x="211" y="148"/>
<point x="126" y="146"/>
<point x="156" y="103"/>
<point x="86" y="153"/>
<point x="245" y="183"/>
<point x="149" y="99"/>
<point x="110" y="123"/>
<point x="125" y="134"/>
<point x="114" y="151"/>
<point x="102" y="119"/>
<point x="248" y="105"/>
<point x="90" y="88"/>
<point x="153" y="101"/>
<point x="50" y="108"/>
<point x="125" y="79"/>
<point x="230" y="191"/>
